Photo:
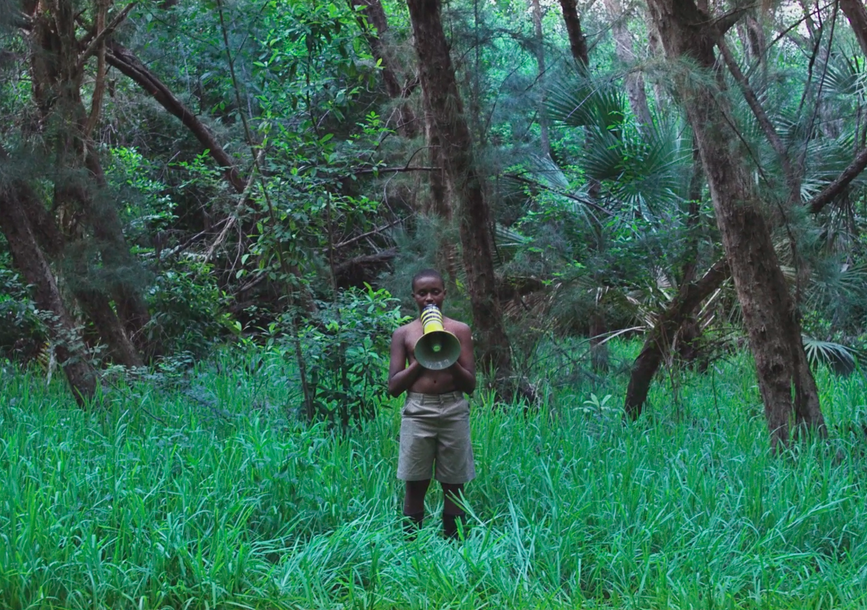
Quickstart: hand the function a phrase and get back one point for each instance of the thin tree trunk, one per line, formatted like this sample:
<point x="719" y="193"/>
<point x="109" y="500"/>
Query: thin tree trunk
<point x="406" y="122"/>
<point x="441" y="93"/>
<point x="544" y="141"/>
<point x="660" y="338"/>
<point x="623" y="48"/>
<point x="31" y="262"/>
<point x="786" y="383"/>
<point x="577" y="41"/>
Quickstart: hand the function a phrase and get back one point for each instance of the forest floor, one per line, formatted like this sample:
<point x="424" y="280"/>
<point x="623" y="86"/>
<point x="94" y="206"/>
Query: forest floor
<point x="207" y="492"/>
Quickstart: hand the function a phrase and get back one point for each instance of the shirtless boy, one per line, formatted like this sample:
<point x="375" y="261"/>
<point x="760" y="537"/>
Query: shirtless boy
<point x="435" y="422"/>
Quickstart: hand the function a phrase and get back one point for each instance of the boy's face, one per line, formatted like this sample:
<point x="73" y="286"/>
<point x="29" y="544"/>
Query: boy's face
<point x="428" y="291"/>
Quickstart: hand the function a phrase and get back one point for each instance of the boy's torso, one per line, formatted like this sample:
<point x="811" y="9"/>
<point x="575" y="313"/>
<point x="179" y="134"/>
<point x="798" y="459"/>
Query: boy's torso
<point x="429" y="382"/>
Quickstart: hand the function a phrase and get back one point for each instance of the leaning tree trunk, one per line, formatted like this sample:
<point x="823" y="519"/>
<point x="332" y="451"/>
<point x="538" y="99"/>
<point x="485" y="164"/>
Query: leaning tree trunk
<point x="440" y="91"/>
<point x="51" y="241"/>
<point x="785" y="381"/>
<point x="30" y="261"/>
<point x="659" y="339"/>
<point x="92" y="300"/>
<point x="857" y="16"/>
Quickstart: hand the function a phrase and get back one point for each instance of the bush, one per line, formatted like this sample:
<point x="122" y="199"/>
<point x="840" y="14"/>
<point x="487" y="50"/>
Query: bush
<point x="346" y="349"/>
<point x="186" y="310"/>
<point x="22" y="332"/>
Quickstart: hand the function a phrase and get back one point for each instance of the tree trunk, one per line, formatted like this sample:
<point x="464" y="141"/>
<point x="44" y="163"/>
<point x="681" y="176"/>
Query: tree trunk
<point x="785" y="381"/>
<point x="57" y="69"/>
<point x="577" y="41"/>
<point x="92" y="301"/>
<point x="659" y="339"/>
<point x="31" y="262"/>
<point x="857" y="16"/>
<point x="598" y="348"/>
<point x="544" y="141"/>
<point x="623" y="48"/>
<point x="656" y="344"/>
<point x="406" y="121"/>
<point x="447" y="120"/>
<point x="52" y="242"/>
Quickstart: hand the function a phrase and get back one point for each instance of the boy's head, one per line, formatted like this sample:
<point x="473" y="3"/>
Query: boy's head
<point x="428" y="288"/>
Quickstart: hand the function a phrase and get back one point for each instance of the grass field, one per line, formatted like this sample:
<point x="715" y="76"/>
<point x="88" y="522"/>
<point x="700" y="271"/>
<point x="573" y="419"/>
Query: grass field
<point x="210" y="495"/>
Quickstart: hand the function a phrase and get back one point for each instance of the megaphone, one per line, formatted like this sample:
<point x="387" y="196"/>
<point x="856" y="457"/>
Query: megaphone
<point x="437" y="348"/>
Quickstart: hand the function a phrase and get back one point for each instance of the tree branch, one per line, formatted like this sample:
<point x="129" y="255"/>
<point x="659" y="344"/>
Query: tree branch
<point x="764" y="122"/>
<point x="103" y="34"/>
<point x="827" y="194"/>
<point x="125" y="61"/>
<point x="725" y="22"/>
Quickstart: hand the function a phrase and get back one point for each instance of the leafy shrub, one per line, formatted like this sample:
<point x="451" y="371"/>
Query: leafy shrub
<point x="22" y="333"/>
<point x="186" y="310"/>
<point x="346" y="349"/>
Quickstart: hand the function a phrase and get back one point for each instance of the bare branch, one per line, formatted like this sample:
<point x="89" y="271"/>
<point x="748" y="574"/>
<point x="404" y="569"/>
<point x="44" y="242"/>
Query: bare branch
<point x="375" y="231"/>
<point x="827" y="194"/>
<point x="725" y="22"/>
<point x="764" y="122"/>
<point x="125" y="61"/>
<point x="102" y="35"/>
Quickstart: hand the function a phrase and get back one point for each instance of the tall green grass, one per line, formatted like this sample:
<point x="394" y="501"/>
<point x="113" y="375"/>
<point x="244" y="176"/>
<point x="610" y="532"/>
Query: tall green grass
<point x="213" y="495"/>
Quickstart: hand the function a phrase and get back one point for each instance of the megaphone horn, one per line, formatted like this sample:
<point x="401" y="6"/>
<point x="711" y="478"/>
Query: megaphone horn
<point x="437" y="348"/>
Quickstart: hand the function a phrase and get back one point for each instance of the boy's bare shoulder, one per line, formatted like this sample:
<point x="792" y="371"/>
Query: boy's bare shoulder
<point x="403" y="330"/>
<point x="455" y="325"/>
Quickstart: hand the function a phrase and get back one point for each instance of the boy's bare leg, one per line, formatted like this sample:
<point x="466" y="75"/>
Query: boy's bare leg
<point x="452" y="494"/>
<point x="413" y="503"/>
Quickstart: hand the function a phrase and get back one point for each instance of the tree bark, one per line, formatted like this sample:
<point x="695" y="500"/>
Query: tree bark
<point x="577" y="41"/>
<point x="857" y="16"/>
<point x="785" y="381"/>
<point x="30" y="261"/>
<point x="439" y="88"/>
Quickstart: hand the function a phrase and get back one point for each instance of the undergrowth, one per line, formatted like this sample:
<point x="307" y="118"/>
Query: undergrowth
<point x="212" y="494"/>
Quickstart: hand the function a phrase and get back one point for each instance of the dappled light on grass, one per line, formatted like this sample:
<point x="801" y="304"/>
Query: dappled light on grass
<point x="216" y="498"/>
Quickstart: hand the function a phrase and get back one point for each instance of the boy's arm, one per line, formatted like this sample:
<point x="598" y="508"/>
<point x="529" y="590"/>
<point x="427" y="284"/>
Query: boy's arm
<point x="400" y="376"/>
<point x="464" y="369"/>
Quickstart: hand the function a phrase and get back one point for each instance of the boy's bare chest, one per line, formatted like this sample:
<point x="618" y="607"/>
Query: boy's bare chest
<point x="414" y="332"/>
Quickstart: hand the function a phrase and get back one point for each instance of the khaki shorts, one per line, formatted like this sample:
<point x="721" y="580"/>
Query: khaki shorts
<point x="435" y="428"/>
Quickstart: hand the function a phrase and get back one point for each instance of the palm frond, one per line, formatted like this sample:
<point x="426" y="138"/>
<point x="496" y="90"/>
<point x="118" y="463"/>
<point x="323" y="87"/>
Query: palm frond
<point x="840" y="357"/>
<point x="578" y="101"/>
